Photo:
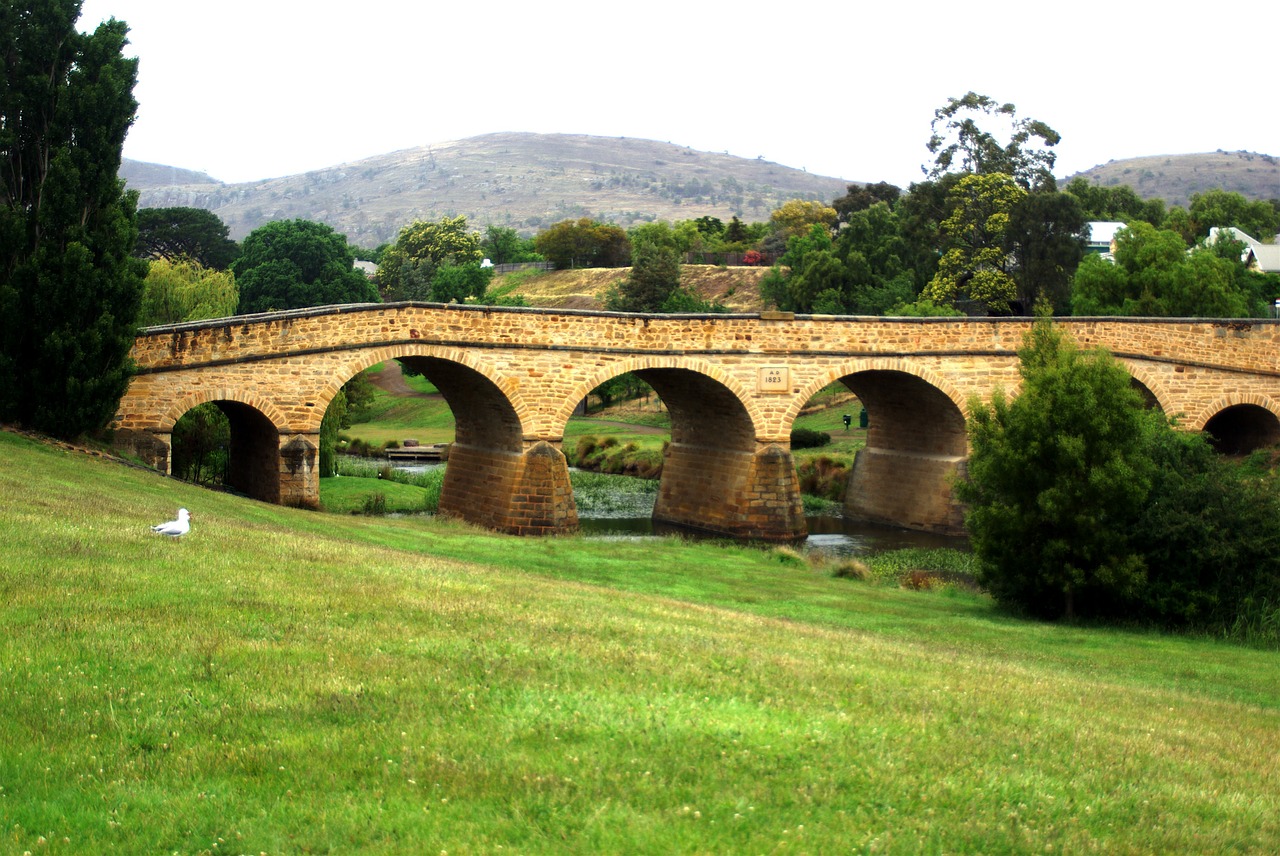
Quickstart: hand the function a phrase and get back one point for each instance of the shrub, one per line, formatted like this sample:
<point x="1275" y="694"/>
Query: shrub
<point x="824" y="478"/>
<point x="1057" y="480"/>
<point x="804" y="438"/>
<point x="851" y="569"/>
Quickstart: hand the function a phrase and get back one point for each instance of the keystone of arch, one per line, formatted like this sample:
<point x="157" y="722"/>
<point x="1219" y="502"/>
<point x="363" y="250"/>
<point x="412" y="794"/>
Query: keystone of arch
<point x="708" y="370"/>
<point x="372" y="356"/>
<point x="257" y="402"/>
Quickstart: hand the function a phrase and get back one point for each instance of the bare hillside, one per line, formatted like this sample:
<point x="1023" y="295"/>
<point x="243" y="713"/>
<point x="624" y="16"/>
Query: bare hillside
<point x="525" y="181"/>
<point x="1174" y="178"/>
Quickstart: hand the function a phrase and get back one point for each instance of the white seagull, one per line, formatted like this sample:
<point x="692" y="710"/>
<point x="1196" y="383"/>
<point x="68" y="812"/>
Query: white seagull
<point x="175" y="528"/>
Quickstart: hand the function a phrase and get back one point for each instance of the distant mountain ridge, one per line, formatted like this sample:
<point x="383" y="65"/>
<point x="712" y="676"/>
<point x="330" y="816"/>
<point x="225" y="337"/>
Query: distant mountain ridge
<point x="525" y="181"/>
<point x="530" y="181"/>
<point x="1175" y="178"/>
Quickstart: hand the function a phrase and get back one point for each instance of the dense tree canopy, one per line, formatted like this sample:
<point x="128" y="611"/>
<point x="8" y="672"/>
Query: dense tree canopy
<point x="191" y="233"/>
<point x="1223" y="208"/>
<point x="1154" y="275"/>
<point x="796" y="216"/>
<point x="1114" y="204"/>
<point x="1045" y="239"/>
<point x="292" y="264"/>
<point x="407" y="269"/>
<point x="655" y="275"/>
<point x="503" y="245"/>
<point x="862" y="196"/>
<point x="584" y="243"/>
<point x="69" y="285"/>
<point x="1057" y="479"/>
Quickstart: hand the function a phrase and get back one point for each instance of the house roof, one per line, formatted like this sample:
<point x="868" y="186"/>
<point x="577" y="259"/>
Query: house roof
<point x="1266" y="255"/>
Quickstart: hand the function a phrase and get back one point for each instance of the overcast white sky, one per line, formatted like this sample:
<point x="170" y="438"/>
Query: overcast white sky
<point x="248" y="90"/>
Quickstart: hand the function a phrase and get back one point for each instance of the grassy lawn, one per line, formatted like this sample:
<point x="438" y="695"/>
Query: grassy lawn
<point x="286" y="681"/>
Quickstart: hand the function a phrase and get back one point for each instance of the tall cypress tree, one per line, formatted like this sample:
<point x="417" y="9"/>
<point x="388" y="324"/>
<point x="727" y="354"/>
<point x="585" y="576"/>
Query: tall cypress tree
<point x="69" y="289"/>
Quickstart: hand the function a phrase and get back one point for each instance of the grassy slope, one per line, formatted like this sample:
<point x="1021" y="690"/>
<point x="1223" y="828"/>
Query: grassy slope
<point x="286" y="681"/>
<point x="736" y="287"/>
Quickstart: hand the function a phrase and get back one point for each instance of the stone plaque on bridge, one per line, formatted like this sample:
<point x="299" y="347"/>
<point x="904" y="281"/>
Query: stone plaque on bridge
<point x="774" y="379"/>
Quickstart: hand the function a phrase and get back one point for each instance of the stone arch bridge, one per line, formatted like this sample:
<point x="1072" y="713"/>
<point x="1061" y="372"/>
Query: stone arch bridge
<point x="733" y="385"/>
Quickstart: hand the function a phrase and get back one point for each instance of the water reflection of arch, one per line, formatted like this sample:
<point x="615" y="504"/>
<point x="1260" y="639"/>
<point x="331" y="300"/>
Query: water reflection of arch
<point x="253" y="452"/>
<point x="1239" y="423"/>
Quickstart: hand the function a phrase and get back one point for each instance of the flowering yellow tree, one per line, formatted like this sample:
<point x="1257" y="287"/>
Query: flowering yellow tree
<point x="975" y="262"/>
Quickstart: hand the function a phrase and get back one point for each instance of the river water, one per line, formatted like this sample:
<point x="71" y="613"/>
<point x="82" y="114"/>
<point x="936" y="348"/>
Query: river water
<point x="620" y="511"/>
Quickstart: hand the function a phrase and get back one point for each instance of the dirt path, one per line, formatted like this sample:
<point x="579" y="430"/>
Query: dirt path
<point x="391" y="381"/>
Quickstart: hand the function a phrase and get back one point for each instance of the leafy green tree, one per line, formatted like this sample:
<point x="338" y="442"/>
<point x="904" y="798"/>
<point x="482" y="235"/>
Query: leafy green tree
<point x="1057" y="480"/>
<point x="201" y="440"/>
<point x="817" y="280"/>
<point x="1210" y="532"/>
<point x="659" y="234"/>
<point x="460" y="283"/>
<point x="408" y="267"/>
<point x="975" y="264"/>
<point x="336" y="418"/>
<point x="292" y="264"/>
<point x="797" y="216"/>
<point x="959" y="142"/>
<point x="879" y="260"/>
<point x="1114" y="204"/>
<point x="921" y="212"/>
<point x="584" y="243"/>
<point x="503" y="245"/>
<point x="712" y="227"/>
<point x="655" y="275"/>
<point x="1154" y="275"/>
<point x="184" y="290"/>
<point x="1224" y="208"/>
<point x="862" y="196"/>
<point x="69" y="285"/>
<point x="192" y="233"/>
<point x="735" y="232"/>
<point x="1046" y="240"/>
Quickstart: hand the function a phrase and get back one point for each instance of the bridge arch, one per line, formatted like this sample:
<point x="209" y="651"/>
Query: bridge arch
<point x="256" y="447"/>
<point x="483" y="376"/>
<point x="249" y="399"/>
<point x="1239" y="423"/>
<point x="717" y="377"/>
<point x="718" y="473"/>
<point x="916" y="443"/>
<point x="1148" y="385"/>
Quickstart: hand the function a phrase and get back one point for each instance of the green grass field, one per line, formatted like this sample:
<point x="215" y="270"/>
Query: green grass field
<point x="284" y="681"/>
